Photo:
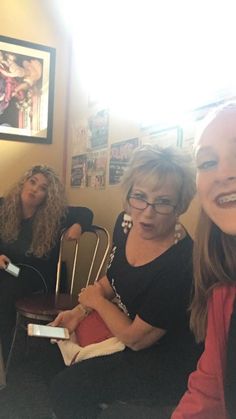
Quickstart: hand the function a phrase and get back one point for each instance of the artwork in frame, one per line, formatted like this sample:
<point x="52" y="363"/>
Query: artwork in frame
<point x="26" y="91"/>
<point x="169" y="136"/>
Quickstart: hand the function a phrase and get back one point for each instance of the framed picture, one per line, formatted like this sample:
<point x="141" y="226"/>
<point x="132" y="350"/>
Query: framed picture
<point x="169" y="136"/>
<point x="98" y="123"/>
<point x="26" y="91"/>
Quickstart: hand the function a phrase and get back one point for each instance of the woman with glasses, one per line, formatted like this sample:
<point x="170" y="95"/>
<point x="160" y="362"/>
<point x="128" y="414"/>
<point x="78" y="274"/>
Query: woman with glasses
<point x="150" y="276"/>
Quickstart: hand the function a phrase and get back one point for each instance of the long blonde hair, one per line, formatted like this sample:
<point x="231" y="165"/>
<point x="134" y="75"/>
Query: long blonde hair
<point x="214" y="254"/>
<point x="214" y="264"/>
<point x="47" y="219"/>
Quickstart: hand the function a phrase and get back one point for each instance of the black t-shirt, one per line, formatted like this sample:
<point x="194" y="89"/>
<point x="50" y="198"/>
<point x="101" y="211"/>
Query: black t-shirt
<point x="159" y="291"/>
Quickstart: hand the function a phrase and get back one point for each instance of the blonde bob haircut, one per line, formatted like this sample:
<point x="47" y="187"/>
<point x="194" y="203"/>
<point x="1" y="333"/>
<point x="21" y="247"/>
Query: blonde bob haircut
<point x="151" y="165"/>
<point x="47" y="219"/>
<point x="214" y="251"/>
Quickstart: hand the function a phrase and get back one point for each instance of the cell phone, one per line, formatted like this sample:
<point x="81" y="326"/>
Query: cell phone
<point x="40" y="330"/>
<point x="12" y="269"/>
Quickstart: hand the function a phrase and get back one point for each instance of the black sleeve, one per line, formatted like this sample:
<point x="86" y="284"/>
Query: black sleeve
<point x="79" y="215"/>
<point x="118" y="232"/>
<point x="118" y="242"/>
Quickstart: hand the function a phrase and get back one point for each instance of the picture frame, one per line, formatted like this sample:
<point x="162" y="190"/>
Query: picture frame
<point x="27" y="72"/>
<point x="165" y="137"/>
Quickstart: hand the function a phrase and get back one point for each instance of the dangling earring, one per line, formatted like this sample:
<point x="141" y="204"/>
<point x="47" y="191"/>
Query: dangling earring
<point x="126" y="223"/>
<point x="177" y="235"/>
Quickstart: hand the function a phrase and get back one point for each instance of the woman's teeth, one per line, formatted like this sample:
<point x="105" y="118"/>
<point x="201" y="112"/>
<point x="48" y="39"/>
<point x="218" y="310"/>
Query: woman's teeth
<point x="227" y="198"/>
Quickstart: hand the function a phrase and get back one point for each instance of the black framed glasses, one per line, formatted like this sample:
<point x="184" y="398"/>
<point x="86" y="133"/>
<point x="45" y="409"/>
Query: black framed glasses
<point x="161" y="206"/>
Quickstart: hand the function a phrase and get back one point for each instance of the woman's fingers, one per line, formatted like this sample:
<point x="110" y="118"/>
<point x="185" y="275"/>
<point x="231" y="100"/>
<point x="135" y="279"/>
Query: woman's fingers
<point x="57" y="320"/>
<point x="4" y="260"/>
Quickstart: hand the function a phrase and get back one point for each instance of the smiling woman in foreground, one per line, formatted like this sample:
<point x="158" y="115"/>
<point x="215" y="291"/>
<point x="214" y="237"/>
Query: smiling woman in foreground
<point x="212" y="388"/>
<point x="150" y="277"/>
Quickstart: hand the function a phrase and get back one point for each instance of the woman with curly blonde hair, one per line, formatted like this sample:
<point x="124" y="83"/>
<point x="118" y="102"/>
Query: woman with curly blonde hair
<point x="32" y="216"/>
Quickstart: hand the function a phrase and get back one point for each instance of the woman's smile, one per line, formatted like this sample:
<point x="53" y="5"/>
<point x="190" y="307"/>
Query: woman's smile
<point x="226" y="200"/>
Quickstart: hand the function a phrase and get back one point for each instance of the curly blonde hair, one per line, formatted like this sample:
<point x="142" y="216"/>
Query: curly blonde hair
<point x="47" y="219"/>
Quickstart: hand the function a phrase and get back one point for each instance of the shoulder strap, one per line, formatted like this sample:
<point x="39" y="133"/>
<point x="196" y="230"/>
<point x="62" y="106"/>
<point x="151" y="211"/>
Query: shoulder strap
<point x="230" y="377"/>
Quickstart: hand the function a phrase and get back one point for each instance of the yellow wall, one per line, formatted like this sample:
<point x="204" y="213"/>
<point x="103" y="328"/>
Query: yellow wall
<point x="36" y="21"/>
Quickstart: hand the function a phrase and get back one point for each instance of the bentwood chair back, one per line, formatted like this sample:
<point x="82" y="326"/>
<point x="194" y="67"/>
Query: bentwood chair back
<point x="43" y="308"/>
<point x="46" y="307"/>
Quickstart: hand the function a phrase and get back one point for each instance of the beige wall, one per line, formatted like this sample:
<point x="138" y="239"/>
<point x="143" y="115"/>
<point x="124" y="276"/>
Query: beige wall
<point x="39" y="22"/>
<point x="106" y="204"/>
<point x="36" y="21"/>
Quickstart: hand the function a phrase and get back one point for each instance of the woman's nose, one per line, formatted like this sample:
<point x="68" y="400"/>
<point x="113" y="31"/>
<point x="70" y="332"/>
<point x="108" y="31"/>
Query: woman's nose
<point x="34" y="188"/>
<point x="150" y="209"/>
<point x="227" y="169"/>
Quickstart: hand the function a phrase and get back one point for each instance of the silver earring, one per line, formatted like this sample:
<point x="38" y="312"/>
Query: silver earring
<point x="177" y="234"/>
<point x="126" y="223"/>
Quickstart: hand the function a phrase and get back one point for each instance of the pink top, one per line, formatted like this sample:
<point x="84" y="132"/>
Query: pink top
<point x="204" y="398"/>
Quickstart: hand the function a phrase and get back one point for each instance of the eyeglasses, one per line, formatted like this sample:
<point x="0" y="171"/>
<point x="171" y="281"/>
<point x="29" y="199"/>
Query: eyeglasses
<point x="161" y="207"/>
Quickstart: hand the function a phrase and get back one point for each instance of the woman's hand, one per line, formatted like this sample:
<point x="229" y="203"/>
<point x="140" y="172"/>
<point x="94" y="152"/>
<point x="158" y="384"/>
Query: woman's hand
<point x="91" y="295"/>
<point x="4" y="260"/>
<point x="69" y="319"/>
<point x="74" y="232"/>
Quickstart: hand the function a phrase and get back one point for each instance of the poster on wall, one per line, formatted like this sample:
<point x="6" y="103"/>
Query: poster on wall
<point x="26" y="91"/>
<point x="171" y="136"/>
<point x="79" y="136"/>
<point x="78" y="170"/>
<point x="191" y="125"/>
<point x="189" y="132"/>
<point x="98" y="124"/>
<point x="120" y="154"/>
<point x="96" y="169"/>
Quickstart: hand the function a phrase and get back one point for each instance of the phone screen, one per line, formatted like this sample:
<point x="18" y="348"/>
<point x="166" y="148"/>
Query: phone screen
<point x="47" y="331"/>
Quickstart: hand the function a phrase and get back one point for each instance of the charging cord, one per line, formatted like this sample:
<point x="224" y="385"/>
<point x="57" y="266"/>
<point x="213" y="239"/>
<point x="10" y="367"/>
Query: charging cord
<point x="37" y="271"/>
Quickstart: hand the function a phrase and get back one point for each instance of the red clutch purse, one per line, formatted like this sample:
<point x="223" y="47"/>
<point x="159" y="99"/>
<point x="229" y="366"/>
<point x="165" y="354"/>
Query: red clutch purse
<point x="92" y="329"/>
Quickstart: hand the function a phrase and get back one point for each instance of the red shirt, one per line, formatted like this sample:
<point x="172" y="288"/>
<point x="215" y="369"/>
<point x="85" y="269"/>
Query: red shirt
<point x="204" y="398"/>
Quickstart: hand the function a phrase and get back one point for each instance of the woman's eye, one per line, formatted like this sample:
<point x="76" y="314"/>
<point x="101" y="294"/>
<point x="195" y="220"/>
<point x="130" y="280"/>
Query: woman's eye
<point x="138" y="196"/>
<point x="163" y="201"/>
<point x="206" y="165"/>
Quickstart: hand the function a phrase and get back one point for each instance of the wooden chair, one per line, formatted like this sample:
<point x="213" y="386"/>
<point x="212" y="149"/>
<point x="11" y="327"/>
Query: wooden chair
<point x="44" y="308"/>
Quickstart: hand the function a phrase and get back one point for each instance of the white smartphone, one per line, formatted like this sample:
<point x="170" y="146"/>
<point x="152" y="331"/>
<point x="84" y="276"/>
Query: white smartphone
<point x="40" y="330"/>
<point x="12" y="269"/>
